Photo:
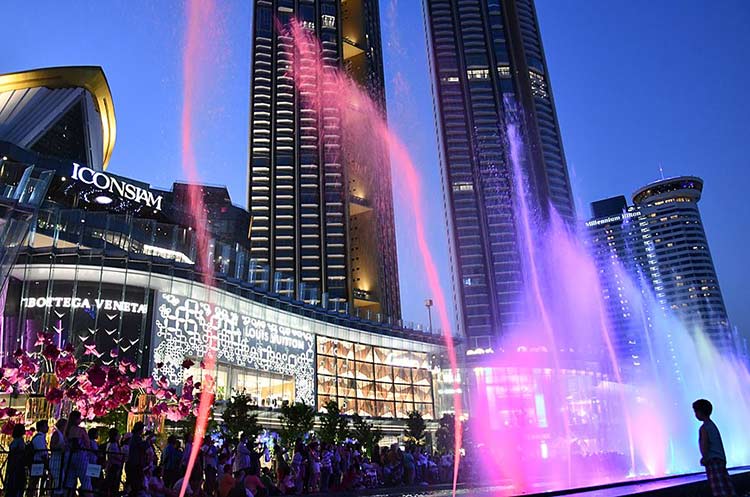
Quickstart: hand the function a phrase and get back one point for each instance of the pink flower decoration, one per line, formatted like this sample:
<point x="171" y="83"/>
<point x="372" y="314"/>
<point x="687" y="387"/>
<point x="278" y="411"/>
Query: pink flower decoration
<point x="66" y="366"/>
<point x="43" y="339"/>
<point x="141" y="383"/>
<point x="54" y="395"/>
<point x="187" y="364"/>
<point x="97" y="376"/>
<point x="91" y="350"/>
<point x="28" y="367"/>
<point x="51" y="352"/>
<point x="7" y="428"/>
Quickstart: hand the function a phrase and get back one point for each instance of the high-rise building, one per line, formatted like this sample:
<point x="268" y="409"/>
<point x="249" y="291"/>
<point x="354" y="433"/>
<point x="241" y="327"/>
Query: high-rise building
<point x="319" y="222"/>
<point x="487" y="63"/>
<point x="616" y="244"/>
<point x="679" y="260"/>
<point x="657" y="247"/>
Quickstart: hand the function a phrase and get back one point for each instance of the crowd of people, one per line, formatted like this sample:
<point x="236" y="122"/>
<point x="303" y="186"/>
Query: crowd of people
<point x="133" y="464"/>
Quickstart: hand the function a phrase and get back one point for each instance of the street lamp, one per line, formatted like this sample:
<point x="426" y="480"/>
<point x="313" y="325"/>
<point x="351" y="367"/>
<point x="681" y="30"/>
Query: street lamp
<point x="428" y="305"/>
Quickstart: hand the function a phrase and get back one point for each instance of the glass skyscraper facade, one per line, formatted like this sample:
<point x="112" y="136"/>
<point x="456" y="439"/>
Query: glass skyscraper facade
<point x="679" y="260"/>
<point x="322" y="221"/>
<point x="488" y="63"/>
<point x="657" y="247"/>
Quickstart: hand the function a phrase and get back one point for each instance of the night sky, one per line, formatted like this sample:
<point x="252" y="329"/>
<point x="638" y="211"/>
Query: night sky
<point x="637" y="84"/>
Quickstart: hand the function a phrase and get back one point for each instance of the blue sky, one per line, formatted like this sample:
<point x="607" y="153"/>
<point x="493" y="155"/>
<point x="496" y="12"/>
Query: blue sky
<point x="637" y="84"/>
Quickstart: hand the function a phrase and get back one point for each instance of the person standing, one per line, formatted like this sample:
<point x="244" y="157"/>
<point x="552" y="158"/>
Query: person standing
<point x="93" y="455"/>
<point x="712" y="451"/>
<point x="171" y="459"/>
<point x="39" y="445"/>
<point x="76" y="458"/>
<point x="15" y="470"/>
<point x="134" y="467"/>
<point x="57" y="449"/>
<point x="210" y="462"/>
<point x="114" y="460"/>
<point x="242" y="458"/>
<point x="326" y="467"/>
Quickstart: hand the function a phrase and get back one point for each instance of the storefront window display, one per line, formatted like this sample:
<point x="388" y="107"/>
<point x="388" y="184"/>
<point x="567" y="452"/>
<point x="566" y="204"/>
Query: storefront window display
<point x="374" y="381"/>
<point x="270" y="362"/>
<point x="103" y="318"/>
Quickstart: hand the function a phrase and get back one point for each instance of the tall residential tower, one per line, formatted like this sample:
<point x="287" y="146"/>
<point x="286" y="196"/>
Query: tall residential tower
<point x="487" y="63"/>
<point x="322" y="226"/>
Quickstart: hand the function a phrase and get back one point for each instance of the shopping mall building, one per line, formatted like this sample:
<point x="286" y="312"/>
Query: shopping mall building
<point x="111" y="261"/>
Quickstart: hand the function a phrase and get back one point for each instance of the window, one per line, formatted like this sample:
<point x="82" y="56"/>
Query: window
<point x="477" y="74"/>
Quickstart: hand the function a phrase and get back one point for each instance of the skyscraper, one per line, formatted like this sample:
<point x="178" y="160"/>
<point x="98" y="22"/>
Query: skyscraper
<point x="487" y="61"/>
<point x="322" y="225"/>
<point x="616" y="244"/>
<point x="657" y="247"/>
<point x="680" y="263"/>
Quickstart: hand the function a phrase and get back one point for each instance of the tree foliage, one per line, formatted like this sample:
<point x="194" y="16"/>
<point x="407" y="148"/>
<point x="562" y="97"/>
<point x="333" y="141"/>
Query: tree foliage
<point x="239" y="417"/>
<point x="297" y="420"/>
<point x="415" y="428"/>
<point x="445" y="434"/>
<point x="366" y="434"/>
<point x="116" y="418"/>
<point x="334" y="426"/>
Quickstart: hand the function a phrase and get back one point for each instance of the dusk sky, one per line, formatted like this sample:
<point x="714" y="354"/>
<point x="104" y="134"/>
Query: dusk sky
<point x="637" y="84"/>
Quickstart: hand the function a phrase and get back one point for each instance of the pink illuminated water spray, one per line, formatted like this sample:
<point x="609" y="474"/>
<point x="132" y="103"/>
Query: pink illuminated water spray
<point x="366" y="134"/>
<point x="199" y="13"/>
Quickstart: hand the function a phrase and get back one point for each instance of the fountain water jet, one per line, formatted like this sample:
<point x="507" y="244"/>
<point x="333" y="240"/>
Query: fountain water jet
<point x="199" y="15"/>
<point x="366" y="143"/>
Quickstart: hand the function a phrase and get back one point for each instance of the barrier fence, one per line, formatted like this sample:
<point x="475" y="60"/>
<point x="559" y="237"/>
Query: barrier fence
<point x="51" y="473"/>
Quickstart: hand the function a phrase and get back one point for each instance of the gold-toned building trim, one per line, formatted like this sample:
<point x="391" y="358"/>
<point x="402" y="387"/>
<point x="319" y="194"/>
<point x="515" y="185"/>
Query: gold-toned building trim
<point x="90" y="78"/>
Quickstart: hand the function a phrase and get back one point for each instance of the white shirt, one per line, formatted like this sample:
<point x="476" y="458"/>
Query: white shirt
<point x="39" y="443"/>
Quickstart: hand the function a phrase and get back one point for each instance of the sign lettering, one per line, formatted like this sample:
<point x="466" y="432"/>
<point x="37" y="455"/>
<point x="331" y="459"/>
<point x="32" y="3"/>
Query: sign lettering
<point x="116" y="186"/>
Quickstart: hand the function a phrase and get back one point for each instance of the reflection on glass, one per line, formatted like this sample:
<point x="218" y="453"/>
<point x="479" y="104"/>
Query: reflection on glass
<point x="365" y="371"/>
<point x="347" y="406"/>
<point x="345" y="368"/>
<point x="401" y="375"/>
<point x="385" y="409"/>
<point x="422" y="377"/>
<point x="347" y="387"/>
<point x="384" y="391"/>
<point x="363" y="353"/>
<point x="404" y="393"/>
<point x="326" y="365"/>
<point x="326" y="385"/>
<point x="366" y="407"/>
<point x="422" y="394"/>
<point x="374" y="381"/>
<point x="365" y="390"/>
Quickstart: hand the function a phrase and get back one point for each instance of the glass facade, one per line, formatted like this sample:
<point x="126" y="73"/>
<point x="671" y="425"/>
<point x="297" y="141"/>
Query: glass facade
<point x="488" y="64"/>
<point x="538" y="407"/>
<point x="657" y="246"/>
<point x="374" y="381"/>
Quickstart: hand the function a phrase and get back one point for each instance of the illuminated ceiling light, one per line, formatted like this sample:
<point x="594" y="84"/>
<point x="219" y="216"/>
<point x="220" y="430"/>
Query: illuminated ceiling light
<point x="103" y="200"/>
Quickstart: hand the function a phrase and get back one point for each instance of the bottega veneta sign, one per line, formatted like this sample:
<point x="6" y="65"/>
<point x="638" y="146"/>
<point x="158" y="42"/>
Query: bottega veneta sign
<point x="79" y="303"/>
<point x="116" y="186"/>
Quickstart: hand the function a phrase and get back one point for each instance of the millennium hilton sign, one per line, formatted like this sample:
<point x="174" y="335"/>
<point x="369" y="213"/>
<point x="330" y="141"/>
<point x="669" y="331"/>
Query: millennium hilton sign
<point x="116" y="186"/>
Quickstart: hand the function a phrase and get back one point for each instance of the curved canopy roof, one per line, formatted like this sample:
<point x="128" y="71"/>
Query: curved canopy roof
<point x="90" y="78"/>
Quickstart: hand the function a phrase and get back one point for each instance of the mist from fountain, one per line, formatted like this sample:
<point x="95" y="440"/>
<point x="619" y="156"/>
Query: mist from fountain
<point x="627" y="423"/>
